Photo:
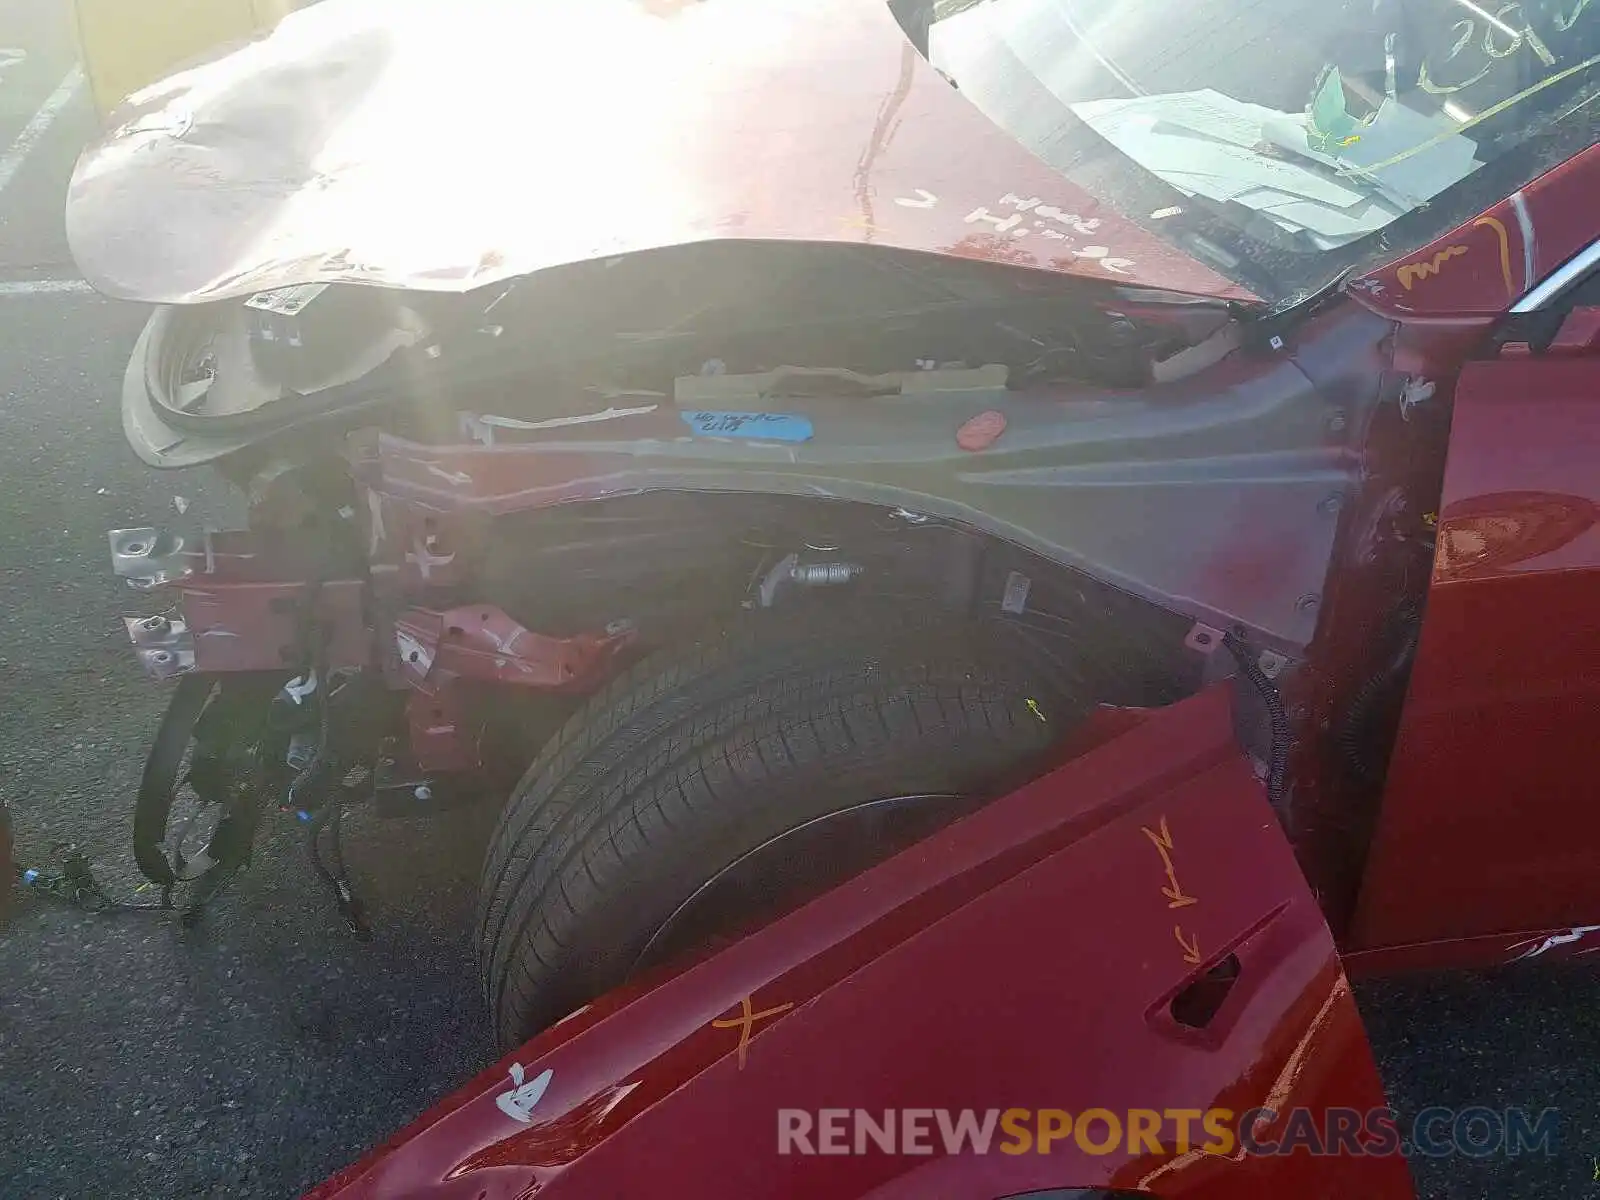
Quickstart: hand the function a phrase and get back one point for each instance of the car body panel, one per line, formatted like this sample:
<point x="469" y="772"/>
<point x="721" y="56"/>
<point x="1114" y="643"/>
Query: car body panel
<point x="413" y="145"/>
<point x="1483" y="266"/>
<point x="1051" y="932"/>
<point x="1215" y="496"/>
<point x="1489" y="816"/>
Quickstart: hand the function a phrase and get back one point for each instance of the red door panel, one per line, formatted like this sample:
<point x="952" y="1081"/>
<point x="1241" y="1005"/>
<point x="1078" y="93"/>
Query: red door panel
<point x="1028" y="958"/>
<point x="1492" y="812"/>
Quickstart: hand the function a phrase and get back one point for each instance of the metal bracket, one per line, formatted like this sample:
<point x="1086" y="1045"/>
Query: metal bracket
<point x="148" y="558"/>
<point x="1203" y="639"/>
<point x="1272" y="663"/>
<point x="164" y="647"/>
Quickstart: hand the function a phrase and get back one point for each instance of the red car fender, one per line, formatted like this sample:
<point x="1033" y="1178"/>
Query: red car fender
<point x="1127" y="932"/>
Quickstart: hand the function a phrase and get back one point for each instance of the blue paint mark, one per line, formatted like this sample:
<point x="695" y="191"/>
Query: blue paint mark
<point x="759" y="426"/>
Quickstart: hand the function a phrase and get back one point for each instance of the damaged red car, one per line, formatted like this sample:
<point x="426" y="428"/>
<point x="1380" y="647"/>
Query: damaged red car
<point x="988" y="554"/>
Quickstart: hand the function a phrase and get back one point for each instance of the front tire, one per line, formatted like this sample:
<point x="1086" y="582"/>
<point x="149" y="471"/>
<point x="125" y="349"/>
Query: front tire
<point x="716" y="784"/>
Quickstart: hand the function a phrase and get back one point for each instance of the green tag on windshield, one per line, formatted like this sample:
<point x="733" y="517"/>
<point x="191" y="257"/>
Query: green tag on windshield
<point x="1331" y="126"/>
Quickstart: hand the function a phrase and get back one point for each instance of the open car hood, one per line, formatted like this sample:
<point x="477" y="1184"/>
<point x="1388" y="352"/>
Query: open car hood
<point x="413" y="144"/>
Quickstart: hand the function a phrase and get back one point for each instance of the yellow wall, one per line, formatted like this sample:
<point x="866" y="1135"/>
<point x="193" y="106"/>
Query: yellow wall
<point x="126" y="44"/>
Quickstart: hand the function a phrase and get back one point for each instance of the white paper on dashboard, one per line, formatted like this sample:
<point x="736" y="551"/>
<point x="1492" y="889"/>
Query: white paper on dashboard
<point x="1396" y="130"/>
<point x="1204" y="143"/>
<point x="1329" y="225"/>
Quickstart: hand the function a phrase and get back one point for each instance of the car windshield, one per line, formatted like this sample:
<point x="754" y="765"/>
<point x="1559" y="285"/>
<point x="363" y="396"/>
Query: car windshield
<point x="1280" y="140"/>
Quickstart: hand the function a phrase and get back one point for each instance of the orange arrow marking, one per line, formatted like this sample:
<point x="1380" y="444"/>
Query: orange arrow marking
<point x="1191" y="946"/>
<point x="746" y="1022"/>
<point x="1162" y="841"/>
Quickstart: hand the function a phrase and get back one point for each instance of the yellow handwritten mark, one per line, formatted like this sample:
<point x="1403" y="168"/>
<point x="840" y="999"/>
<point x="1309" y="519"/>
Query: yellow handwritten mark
<point x="1163" y="843"/>
<point x="1505" y="253"/>
<point x="1162" y="840"/>
<point x="1411" y="272"/>
<point x="746" y="1021"/>
<point x="1191" y="945"/>
<point x="1176" y="898"/>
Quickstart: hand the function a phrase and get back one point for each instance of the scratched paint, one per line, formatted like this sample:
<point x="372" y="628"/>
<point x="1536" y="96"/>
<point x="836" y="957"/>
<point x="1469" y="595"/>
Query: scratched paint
<point x="1177" y="899"/>
<point x="459" y="478"/>
<point x="1016" y="217"/>
<point x="1530" y="239"/>
<point x="525" y="1094"/>
<point x="1575" y="934"/>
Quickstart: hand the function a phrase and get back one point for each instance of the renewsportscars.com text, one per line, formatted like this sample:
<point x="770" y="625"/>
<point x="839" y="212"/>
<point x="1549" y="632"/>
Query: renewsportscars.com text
<point x="1434" y="1133"/>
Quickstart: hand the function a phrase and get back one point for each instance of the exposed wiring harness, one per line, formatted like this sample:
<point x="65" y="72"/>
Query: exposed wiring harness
<point x="309" y="793"/>
<point x="1277" y="717"/>
<point x="1356" y="732"/>
<point x="74" y="884"/>
<point x="330" y="818"/>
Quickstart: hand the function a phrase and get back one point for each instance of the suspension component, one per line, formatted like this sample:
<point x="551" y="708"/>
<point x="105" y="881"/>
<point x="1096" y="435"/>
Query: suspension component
<point x="818" y="574"/>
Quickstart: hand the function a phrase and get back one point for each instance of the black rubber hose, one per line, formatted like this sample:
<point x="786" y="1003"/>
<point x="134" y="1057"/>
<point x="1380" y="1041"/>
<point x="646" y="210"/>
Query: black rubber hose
<point x="1277" y="716"/>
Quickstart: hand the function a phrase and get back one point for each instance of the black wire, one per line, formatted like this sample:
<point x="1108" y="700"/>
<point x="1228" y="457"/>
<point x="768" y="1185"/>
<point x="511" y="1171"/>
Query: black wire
<point x="336" y="826"/>
<point x="315" y="772"/>
<point x="319" y="822"/>
<point x="1277" y="717"/>
<point x="331" y="817"/>
<point x="76" y="886"/>
<point x="1353" y="737"/>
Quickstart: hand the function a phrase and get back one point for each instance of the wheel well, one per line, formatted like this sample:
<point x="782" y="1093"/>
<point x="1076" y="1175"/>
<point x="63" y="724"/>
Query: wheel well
<point x="670" y="562"/>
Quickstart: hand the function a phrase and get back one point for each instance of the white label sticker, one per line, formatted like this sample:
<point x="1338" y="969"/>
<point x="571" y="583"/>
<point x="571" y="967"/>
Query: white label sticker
<point x="519" y="1102"/>
<point x="1015" y="600"/>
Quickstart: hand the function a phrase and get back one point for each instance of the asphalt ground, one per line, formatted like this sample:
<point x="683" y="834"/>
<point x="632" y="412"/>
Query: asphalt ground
<point x="260" y="1052"/>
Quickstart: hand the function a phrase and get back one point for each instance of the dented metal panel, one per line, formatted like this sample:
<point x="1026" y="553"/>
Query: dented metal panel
<point x="443" y="147"/>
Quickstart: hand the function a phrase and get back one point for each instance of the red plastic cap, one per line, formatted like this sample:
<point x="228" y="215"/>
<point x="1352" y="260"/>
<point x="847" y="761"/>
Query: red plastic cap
<point x="982" y="431"/>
